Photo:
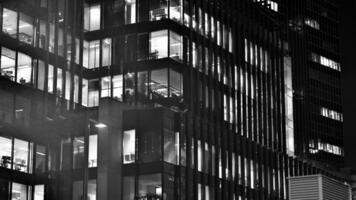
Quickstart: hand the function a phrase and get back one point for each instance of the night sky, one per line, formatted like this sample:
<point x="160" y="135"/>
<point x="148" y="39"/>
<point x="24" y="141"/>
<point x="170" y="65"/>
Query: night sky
<point x="348" y="76"/>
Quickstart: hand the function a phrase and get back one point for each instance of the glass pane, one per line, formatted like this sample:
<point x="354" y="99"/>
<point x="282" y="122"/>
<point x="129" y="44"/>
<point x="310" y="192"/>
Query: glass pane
<point x="24" y="69"/>
<point x="91" y="189"/>
<point x="8" y="58"/>
<point x="130" y="11"/>
<point x="78" y="152"/>
<point x="150" y="146"/>
<point x="176" y="84"/>
<point x="51" y="38"/>
<point x="42" y="38"/>
<point x="93" y="93"/>
<point x="5" y="152"/>
<point x="142" y="85"/>
<point x="117" y="87"/>
<point x="129" y="146"/>
<point x="158" y="9"/>
<point x="21" y="155"/>
<point x="9" y="25"/>
<point x="130" y="85"/>
<point x="26" y="30"/>
<point x="105" y="86"/>
<point x="39" y="192"/>
<point x="50" y="78"/>
<point x="19" y="191"/>
<point x="59" y="82"/>
<point x="175" y="46"/>
<point x="171" y="146"/>
<point x="93" y="150"/>
<point x="76" y="88"/>
<point x="92" y="18"/>
<point x="129" y="188"/>
<point x="68" y="85"/>
<point x="150" y="186"/>
<point x="176" y="10"/>
<point x="158" y="44"/>
<point x="77" y="190"/>
<point x="40" y="159"/>
<point x="159" y="83"/>
<point x="41" y="75"/>
<point x="94" y="54"/>
<point x="85" y="86"/>
<point x="106" y="52"/>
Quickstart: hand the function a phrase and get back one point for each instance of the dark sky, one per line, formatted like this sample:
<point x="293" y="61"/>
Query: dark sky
<point x="348" y="75"/>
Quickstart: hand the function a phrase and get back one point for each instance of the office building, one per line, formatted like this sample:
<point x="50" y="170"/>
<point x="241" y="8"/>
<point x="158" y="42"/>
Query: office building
<point x="162" y="99"/>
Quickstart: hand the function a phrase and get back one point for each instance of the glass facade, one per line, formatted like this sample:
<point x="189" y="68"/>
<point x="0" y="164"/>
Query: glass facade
<point x="213" y="99"/>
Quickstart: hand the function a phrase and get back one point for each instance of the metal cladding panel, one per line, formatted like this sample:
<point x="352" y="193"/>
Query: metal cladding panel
<point x="317" y="187"/>
<point x="304" y="188"/>
<point x="335" y="190"/>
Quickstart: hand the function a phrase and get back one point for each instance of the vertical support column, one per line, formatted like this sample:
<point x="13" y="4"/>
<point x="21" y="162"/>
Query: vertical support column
<point x="110" y="150"/>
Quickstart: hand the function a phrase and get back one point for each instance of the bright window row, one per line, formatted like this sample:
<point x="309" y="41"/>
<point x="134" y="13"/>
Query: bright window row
<point x="325" y="62"/>
<point x="18" y="191"/>
<point x="21" y="155"/>
<point x="256" y="55"/>
<point x="326" y="147"/>
<point x="23" y="69"/>
<point x="325" y="112"/>
<point x="270" y="4"/>
<point x="312" y="23"/>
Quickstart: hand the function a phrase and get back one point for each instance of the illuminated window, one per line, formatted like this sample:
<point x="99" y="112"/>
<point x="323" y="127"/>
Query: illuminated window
<point x="175" y="10"/>
<point x="129" y="146"/>
<point x="130" y="11"/>
<point x="24" y="69"/>
<point x="106" y="86"/>
<point x="159" y="83"/>
<point x="93" y="151"/>
<point x="325" y="112"/>
<point x="117" y="82"/>
<point x="312" y="23"/>
<point x="175" y="46"/>
<point x="325" y="62"/>
<point x="106" y="52"/>
<point x="19" y="191"/>
<point x="50" y="78"/>
<point x="92" y="16"/>
<point x="150" y="186"/>
<point x="21" y="156"/>
<point x="8" y="61"/>
<point x="158" y="44"/>
<point x="9" y="25"/>
<point x="5" y="152"/>
<point x="26" y="30"/>
<point x="158" y="9"/>
<point x="38" y="192"/>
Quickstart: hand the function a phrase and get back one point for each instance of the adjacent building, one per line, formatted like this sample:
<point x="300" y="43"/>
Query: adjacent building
<point x="166" y="99"/>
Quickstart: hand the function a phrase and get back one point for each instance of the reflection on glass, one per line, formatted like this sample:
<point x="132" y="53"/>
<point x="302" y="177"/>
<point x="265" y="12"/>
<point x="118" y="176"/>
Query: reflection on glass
<point x="51" y="38"/>
<point x="26" y="30"/>
<point x="78" y="152"/>
<point x="142" y="85"/>
<point x="92" y="15"/>
<point x="85" y="86"/>
<point x="43" y="35"/>
<point x="129" y="146"/>
<point x="149" y="186"/>
<point x="19" y="191"/>
<point x="5" y="152"/>
<point x="9" y="22"/>
<point x="24" y="68"/>
<point x="159" y="83"/>
<point x="158" y="44"/>
<point x="21" y="155"/>
<point x="68" y="85"/>
<point x="40" y="159"/>
<point x="130" y="84"/>
<point x="93" y="150"/>
<point x="39" y="192"/>
<point x="129" y="188"/>
<point x="171" y="147"/>
<point x="150" y="146"/>
<point x="7" y="67"/>
<point x="93" y="93"/>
